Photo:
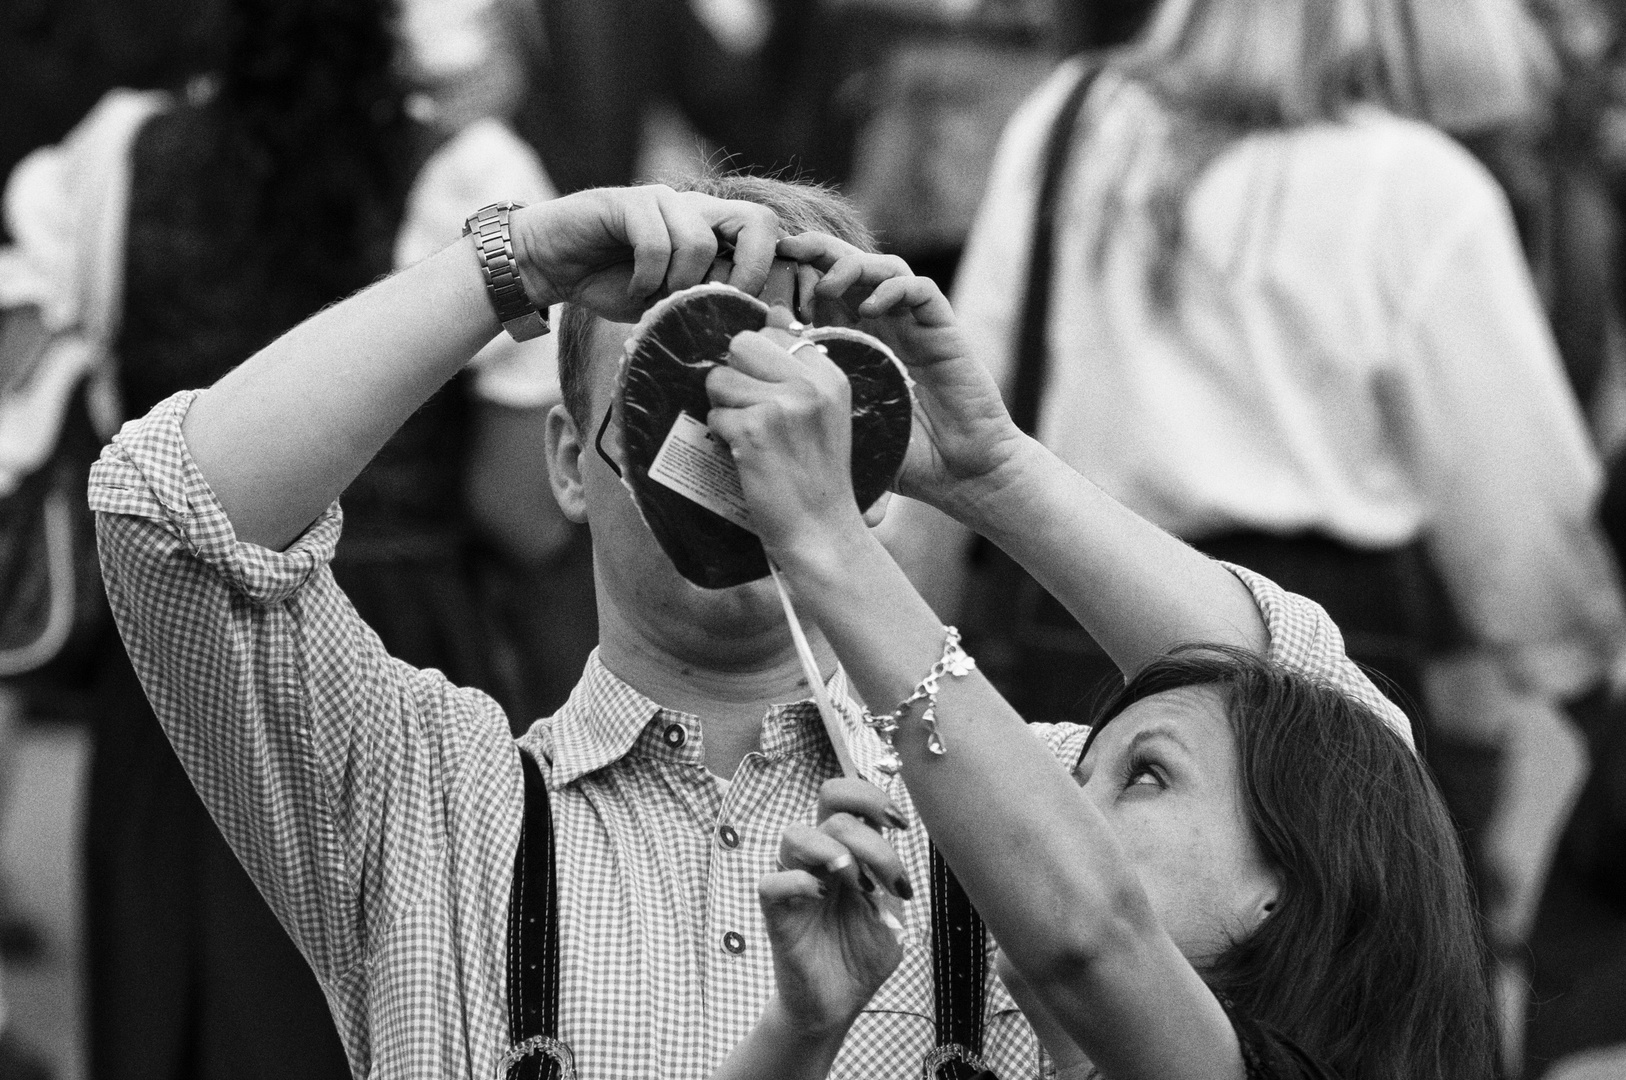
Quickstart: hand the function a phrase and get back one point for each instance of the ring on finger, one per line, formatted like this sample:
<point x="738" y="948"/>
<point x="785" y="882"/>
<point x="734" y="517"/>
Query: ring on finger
<point x="805" y="343"/>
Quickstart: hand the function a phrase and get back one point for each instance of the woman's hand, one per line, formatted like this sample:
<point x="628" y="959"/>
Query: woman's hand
<point x="833" y="912"/>
<point x="963" y="433"/>
<point x="787" y="418"/>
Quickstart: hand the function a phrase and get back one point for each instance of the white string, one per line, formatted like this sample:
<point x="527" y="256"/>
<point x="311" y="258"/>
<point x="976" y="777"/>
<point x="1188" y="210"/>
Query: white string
<point x="810" y="668"/>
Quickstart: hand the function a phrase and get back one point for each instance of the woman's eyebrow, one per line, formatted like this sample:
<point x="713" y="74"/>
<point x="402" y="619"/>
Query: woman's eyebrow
<point x="1151" y="733"/>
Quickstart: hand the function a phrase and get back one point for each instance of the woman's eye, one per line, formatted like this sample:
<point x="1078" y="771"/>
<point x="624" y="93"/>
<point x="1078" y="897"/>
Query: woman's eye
<point x="1142" y="773"/>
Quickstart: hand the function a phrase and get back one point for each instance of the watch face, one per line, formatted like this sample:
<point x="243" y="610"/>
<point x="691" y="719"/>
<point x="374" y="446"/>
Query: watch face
<point x="681" y="476"/>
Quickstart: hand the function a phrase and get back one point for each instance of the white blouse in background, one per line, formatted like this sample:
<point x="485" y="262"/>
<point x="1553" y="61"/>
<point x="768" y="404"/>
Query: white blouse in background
<point x="1356" y="348"/>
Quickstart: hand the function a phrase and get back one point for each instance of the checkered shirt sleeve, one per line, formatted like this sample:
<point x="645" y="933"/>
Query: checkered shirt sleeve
<point x="334" y="771"/>
<point x="1304" y="639"/>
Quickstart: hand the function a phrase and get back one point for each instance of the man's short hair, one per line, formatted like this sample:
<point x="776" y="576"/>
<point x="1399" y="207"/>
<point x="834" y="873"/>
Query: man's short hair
<point x="802" y="207"/>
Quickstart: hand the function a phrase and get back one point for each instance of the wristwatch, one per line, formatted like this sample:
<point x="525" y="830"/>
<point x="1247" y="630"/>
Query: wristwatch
<point x="495" y="247"/>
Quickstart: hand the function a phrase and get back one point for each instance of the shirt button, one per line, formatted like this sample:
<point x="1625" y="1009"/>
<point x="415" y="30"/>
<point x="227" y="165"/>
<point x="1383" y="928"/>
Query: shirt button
<point x="733" y="942"/>
<point x="675" y="736"/>
<point x="728" y="836"/>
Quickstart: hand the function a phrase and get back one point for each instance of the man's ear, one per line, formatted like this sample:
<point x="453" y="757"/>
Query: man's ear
<point x="564" y="449"/>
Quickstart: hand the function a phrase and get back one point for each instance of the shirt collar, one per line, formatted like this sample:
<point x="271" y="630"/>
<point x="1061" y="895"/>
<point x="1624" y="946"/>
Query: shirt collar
<point x="606" y="720"/>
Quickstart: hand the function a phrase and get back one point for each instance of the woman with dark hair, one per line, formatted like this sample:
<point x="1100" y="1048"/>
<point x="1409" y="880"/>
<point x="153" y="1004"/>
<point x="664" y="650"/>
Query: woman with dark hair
<point x="1247" y="872"/>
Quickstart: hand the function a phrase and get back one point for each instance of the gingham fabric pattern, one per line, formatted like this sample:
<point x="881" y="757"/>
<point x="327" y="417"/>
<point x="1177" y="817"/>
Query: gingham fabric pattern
<point x="378" y="807"/>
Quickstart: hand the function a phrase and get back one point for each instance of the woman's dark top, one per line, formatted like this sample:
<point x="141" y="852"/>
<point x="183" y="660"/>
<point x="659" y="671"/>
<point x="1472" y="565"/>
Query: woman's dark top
<point x="1269" y="1055"/>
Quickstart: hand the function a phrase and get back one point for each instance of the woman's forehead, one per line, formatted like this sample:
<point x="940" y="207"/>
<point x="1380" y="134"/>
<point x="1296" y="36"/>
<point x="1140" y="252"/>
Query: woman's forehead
<point x="1192" y="715"/>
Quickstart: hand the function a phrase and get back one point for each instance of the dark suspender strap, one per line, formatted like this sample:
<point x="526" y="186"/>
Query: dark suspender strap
<point x="533" y="945"/>
<point x="1033" y="341"/>
<point x="959" y="976"/>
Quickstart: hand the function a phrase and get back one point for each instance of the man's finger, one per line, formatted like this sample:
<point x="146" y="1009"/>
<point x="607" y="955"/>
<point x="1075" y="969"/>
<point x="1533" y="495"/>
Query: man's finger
<point x="645" y="228"/>
<point x="781" y="286"/>
<point x="721" y="267"/>
<point x="754" y="230"/>
<point x="807" y="281"/>
<point x="694" y="243"/>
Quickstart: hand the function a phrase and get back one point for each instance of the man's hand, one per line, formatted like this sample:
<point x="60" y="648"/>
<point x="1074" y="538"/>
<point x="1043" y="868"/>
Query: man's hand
<point x="616" y="250"/>
<point x="963" y="432"/>
<point x="832" y="914"/>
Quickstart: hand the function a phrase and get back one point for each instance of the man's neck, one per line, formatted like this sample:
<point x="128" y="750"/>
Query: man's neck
<point x="730" y="699"/>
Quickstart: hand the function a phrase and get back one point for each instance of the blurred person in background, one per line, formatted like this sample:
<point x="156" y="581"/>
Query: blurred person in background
<point x="297" y="174"/>
<point x="533" y="568"/>
<point x="57" y="57"/>
<point x="916" y="93"/>
<point x="1273" y="308"/>
<point x="608" y="68"/>
<point x="18" y="1061"/>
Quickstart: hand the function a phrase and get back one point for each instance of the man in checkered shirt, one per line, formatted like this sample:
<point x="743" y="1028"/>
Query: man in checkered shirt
<point x="379" y="807"/>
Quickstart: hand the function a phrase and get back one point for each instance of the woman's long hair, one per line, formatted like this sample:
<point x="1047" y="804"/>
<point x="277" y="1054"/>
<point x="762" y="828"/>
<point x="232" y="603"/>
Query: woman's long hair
<point x="1373" y="960"/>
<point x="1224" y="69"/>
<point x="311" y="105"/>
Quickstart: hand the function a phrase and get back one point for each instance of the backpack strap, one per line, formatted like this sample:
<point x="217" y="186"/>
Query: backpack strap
<point x="533" y="946"/>
<point x="1033" y="340"/>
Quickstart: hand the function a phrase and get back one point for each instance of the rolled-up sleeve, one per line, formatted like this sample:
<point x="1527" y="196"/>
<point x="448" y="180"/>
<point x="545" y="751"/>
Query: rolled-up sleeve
<point x="324" y="761"/>
<point x="1304" y="639"/>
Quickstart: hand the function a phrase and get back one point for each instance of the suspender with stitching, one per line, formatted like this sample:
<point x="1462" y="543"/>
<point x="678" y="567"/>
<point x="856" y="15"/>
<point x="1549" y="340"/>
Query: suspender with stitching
<point x="533" y="946"/>
<point x="959" y="976"/>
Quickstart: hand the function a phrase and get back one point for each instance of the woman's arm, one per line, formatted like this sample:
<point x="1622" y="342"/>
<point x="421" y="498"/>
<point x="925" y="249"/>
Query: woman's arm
<point x="1135" y="588"/>
<point x="284" y="433"/>
<point x="1035" y="856"/>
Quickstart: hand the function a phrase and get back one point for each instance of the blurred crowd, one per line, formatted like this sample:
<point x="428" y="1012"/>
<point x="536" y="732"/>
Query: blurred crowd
<point x="1358" y="328"/>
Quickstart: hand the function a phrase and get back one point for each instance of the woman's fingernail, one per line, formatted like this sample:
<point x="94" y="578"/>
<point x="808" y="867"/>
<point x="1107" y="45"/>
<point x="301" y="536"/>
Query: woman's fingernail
<point x="895" y="817"/>
<point x="902" y="889"/>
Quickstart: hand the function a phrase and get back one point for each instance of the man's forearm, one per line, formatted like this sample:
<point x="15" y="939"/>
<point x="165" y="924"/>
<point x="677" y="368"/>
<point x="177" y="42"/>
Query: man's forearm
<point x="283" y="434"/>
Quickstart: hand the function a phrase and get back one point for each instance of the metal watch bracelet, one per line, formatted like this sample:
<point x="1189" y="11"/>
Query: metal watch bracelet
<point x="494" y="244"/>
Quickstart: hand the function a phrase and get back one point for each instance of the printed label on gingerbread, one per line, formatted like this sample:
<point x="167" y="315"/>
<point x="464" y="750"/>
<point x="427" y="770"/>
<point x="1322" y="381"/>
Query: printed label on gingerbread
<point x="697" y="465"/>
